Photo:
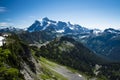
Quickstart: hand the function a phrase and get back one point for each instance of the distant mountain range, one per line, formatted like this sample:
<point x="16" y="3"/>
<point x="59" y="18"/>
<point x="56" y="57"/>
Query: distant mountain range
<point x="105" y="43"/>
<point x="5" y="29"/>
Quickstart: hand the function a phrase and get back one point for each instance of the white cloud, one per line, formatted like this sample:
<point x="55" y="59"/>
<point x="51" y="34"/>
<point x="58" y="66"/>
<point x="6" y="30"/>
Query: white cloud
<point x="5" y="24"/>
<point x="2" y="9"/>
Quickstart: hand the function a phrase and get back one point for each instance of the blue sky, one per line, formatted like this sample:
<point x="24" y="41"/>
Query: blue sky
<point x="88" y="13"/>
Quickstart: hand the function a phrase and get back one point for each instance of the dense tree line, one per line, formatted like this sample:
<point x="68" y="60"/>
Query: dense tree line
<point x="12" y="55"/>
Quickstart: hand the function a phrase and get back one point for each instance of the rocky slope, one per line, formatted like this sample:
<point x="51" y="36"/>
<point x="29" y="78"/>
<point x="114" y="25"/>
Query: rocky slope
<point x="16" y="61"/>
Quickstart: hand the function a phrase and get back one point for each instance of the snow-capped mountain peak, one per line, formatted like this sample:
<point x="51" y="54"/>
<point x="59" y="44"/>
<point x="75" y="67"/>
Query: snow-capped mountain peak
<point x="111" y="30"/>
<point x="45" y="19"/>
<point x="58" y="26"/>
<point x="97" y="31"/>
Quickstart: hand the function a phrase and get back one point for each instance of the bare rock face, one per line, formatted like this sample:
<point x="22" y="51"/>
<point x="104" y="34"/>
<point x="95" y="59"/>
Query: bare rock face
<point x="28" y="74"/>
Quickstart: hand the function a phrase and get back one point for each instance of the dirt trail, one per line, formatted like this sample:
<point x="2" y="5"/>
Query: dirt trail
<point x="64" y="71"/>
<point x="67" y="73"/>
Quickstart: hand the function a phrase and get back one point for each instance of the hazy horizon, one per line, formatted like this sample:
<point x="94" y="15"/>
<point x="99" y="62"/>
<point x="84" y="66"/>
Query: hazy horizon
<point x="99" y="14"/>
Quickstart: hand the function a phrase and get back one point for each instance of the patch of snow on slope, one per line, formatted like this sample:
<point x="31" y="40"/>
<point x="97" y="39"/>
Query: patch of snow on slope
<point x="72" y="28"/>
<point x="1" y="40"/>
<point x="48" y="23"/>
<point x="80" y="75"/>
<point x="60" y="31"/>
<point x="83" y="36"/>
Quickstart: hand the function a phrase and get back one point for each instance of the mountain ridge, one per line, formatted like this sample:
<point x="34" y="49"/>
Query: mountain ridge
<point x="95" y="39"/>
